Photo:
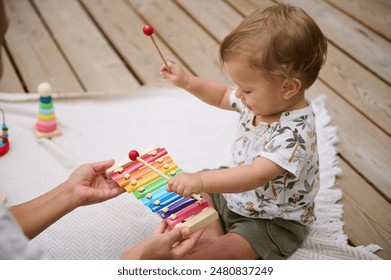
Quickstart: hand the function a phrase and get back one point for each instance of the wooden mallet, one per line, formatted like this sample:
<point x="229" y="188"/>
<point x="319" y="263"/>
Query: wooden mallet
<point x="134" y="155"/>
<point x="148" y="30"/>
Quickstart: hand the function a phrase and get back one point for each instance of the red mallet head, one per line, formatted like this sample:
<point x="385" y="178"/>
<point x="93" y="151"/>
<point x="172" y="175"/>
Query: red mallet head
<point x="133" y="155"/>
<point x="148" y="30"/>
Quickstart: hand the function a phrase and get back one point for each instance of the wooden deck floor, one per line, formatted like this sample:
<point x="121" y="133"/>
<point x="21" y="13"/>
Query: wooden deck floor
<point x="97" y="45"/>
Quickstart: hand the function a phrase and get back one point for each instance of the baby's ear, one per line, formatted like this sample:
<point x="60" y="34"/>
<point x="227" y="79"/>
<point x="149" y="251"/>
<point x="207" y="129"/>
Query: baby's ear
<point x="290" y="88"/>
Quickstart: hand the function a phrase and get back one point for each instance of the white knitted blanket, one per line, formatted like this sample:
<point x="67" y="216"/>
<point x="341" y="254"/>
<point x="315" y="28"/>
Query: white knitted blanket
<point x="102" y="127"/>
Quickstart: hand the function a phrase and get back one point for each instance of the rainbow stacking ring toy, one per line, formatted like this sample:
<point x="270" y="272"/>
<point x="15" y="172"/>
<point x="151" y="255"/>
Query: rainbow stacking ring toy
<point x="46" y="123"/>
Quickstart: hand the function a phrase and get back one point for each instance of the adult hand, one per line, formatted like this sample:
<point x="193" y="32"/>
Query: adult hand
<point x="90" y="185"/>
<point x="86" y="185"/>
<point x="164" y="243"/>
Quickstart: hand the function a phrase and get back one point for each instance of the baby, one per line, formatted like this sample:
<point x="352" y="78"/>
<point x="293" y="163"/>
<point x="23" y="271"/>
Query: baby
<point x="265" y="198"/>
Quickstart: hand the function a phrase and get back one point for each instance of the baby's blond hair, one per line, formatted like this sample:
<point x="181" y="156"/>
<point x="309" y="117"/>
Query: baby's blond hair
<point x="281" y="40"/>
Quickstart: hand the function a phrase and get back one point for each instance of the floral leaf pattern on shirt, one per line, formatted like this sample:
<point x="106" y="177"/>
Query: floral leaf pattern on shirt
<point x="308" y="187"/>
<point x="295" y="142"/>
<point x="295" y="199"/>
<point x="302" y="122"/>
<point x="252" y="211"/>
<point x="271" y="148"/>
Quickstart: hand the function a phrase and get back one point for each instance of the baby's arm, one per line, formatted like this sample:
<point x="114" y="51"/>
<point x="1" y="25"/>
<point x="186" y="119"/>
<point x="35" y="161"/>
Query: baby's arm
<point x="232" y="180"/>
<point x="210" y="92"/>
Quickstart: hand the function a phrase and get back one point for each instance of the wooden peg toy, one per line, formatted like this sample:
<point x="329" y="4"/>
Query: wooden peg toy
<point x="148" y="31"/>
<point x="46" y="123"/>
<point x="4" y="141"/>
<point x="145" y="174"/>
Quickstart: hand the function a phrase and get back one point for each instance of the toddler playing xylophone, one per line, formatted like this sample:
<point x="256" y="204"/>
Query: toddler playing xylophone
<point x="146" y="176"/>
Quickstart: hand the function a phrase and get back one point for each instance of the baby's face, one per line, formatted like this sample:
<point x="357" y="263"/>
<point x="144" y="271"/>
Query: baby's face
<point x="261" y="95"/>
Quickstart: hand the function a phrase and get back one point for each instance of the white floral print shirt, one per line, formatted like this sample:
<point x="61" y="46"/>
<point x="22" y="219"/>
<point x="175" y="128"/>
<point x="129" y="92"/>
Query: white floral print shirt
<point x="292" y="144"/>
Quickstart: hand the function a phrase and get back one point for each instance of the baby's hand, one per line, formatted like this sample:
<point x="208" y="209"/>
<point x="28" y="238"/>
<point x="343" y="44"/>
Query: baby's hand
<point x="177" y="77"/>
<point x="185" y="184"/>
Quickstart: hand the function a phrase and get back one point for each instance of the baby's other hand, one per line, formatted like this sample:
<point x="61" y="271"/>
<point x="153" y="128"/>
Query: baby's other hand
<point x="176" y="75"/>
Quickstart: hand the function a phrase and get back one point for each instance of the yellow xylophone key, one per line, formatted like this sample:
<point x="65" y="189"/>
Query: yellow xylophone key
<point x="143" y="181"/>
<point x="143" y="171"/>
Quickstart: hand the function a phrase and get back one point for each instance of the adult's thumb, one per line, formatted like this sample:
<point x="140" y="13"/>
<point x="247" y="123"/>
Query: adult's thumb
<point x="178" y="234"/>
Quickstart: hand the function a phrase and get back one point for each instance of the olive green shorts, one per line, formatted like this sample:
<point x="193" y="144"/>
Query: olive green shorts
<point x="274" y="239"/>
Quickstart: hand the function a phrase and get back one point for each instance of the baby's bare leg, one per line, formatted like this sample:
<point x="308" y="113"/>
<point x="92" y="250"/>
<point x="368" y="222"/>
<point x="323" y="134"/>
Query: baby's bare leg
<point x="214" y="244"/>
<point x="227" y="247"/>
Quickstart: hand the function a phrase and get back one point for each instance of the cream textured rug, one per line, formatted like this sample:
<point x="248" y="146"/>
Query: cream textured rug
<point x="99" y="127"/>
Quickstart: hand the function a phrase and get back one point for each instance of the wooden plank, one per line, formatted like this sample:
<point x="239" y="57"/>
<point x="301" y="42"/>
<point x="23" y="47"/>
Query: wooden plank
<point x="367" y="93"/>
<point x="98" y="67"/>
<point x="197" y="49"/>
<point x="34" y="52"/>
<point x="245" y="7"/>
<point x="366" y="214"/>
<point x="365" y="210"/>
<point x="9" y="82"/>
<point x="216" y="14"/>
<point x="365" y="46"/>
<point x="362" y="144"/>
<point x="376" y="15"/>
<point x="123" y="27"/>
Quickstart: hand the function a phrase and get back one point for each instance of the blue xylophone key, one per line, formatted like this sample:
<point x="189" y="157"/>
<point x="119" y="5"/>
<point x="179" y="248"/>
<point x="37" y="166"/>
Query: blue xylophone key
<point x="158" y="194"/>
<point x="166" y="201"/>
<point x="177" y="206"/>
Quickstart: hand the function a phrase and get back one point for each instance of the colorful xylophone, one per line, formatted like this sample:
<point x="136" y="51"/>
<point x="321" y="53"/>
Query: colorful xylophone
<point x="149" y="187"/>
